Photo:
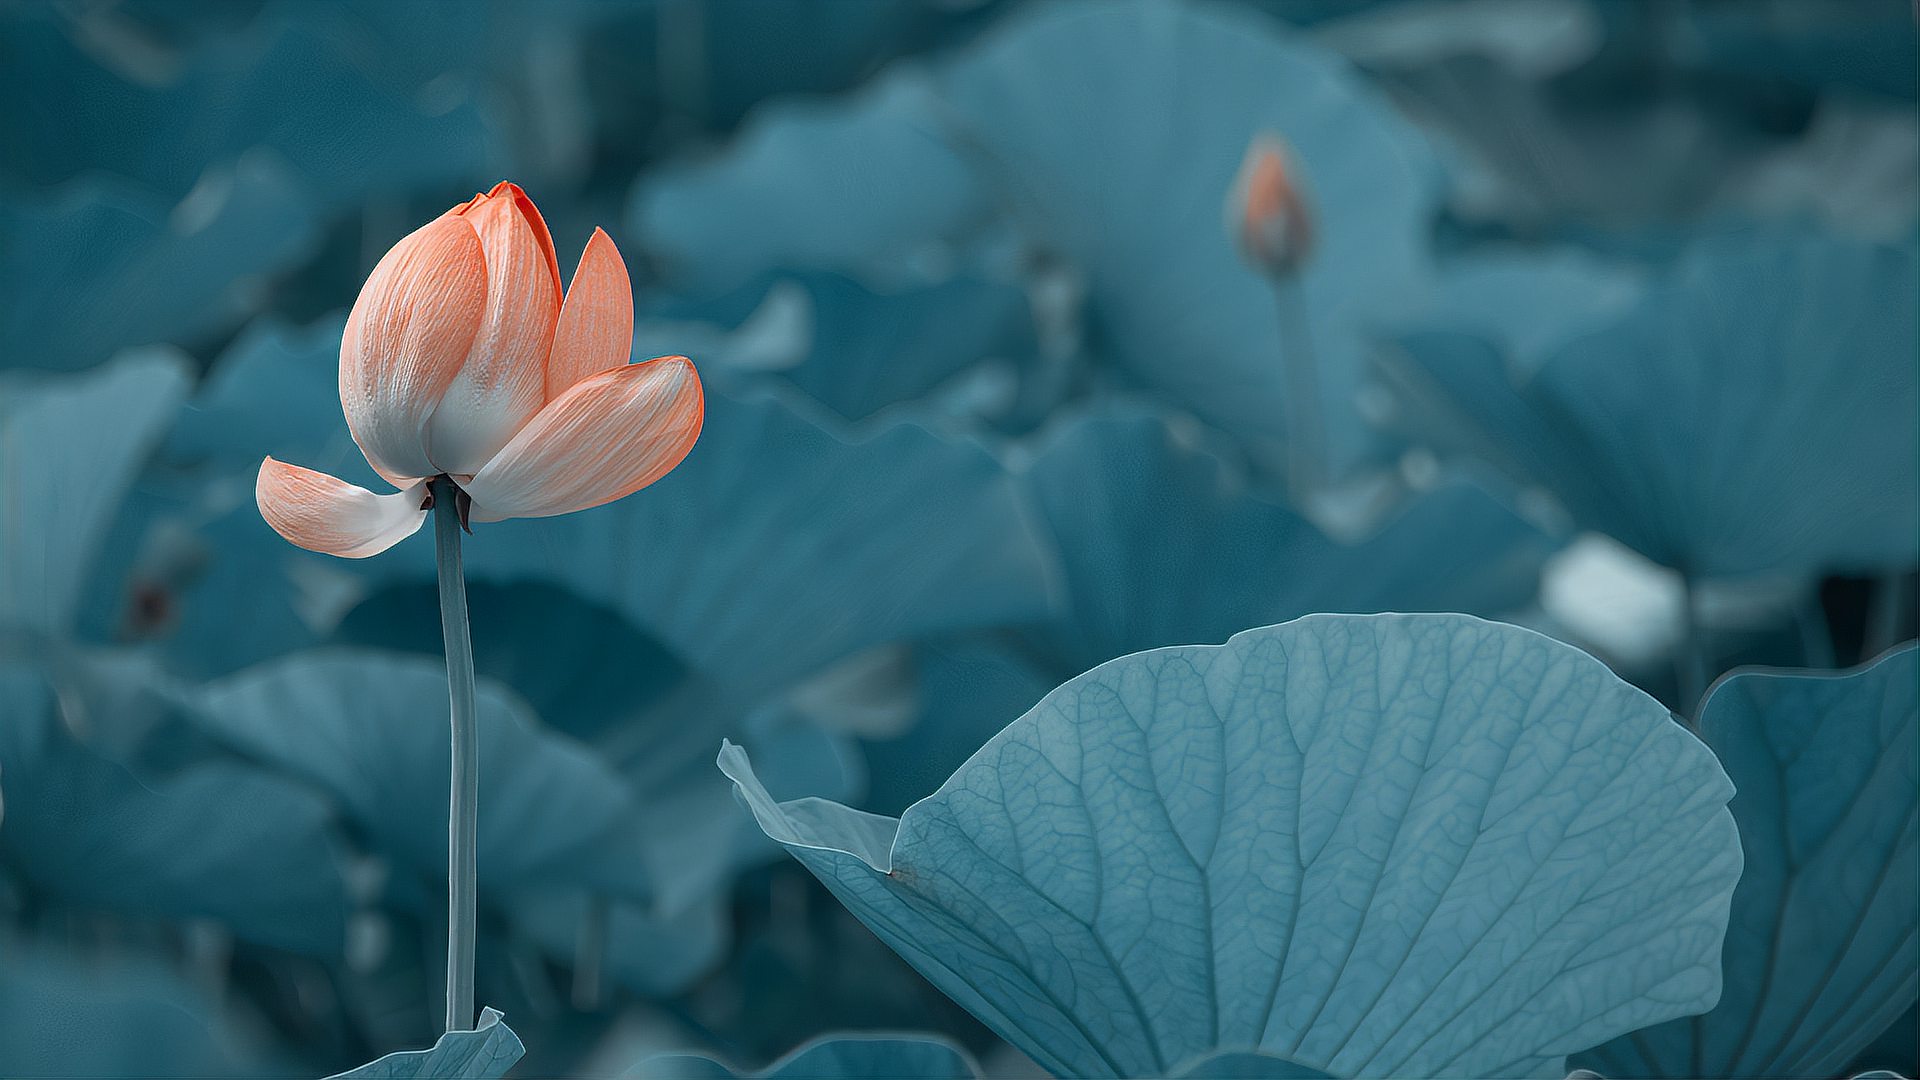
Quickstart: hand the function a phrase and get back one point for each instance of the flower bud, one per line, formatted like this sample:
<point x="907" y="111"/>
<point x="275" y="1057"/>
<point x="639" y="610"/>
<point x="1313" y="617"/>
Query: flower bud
<point x="1267" y="213"/>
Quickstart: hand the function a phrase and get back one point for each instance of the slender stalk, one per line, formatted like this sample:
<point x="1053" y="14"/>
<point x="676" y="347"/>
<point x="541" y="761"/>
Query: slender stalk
<point x="1306" y="434"/>
<point x="1693" y="652"/>
<point x="589" y="954"/>
<point x="464" y="798"/>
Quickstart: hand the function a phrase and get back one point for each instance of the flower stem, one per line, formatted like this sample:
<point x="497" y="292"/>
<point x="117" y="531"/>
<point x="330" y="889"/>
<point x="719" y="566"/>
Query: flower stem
<point x="1306" y="436"/>
<point x="464" y="800"/>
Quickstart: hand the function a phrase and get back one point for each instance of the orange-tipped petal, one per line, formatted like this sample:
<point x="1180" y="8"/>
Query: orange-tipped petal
<point x="605" y="438"/>
<point x="1268" y="212"/>
<point x="596" y="320"/>
<point x="324" y="514"/>
<point x="507" y="189"/>
<point x="503" y="381"/>
<point x="408" y="336"/>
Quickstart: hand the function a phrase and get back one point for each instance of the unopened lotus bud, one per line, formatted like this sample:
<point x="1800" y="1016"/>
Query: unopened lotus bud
<point x="1268" y="213"/>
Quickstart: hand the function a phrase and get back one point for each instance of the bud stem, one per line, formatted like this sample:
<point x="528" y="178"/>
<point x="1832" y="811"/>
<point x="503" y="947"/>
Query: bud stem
<point x="464" y="798"/>
<point x="1306" y="436"/>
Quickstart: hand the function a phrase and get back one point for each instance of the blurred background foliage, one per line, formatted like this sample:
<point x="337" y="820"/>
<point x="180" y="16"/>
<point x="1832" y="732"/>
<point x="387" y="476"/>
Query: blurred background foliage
<point x="1612" y="307"/>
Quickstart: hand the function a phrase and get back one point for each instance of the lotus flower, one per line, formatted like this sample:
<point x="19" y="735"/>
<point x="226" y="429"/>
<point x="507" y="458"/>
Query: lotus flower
<point x="1267" y="212"/>
<point x="462" y="360"/>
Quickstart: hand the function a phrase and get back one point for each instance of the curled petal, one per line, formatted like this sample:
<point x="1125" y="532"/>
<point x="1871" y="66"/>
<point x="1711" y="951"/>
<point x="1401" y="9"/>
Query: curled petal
<point x="506" y="189"/>
<point x="605" y="438"/>
<point x="503" y="381"/>
<point x="408" y="336"/>
<point x="321" y="513"/>
<point x="596" y="319"/>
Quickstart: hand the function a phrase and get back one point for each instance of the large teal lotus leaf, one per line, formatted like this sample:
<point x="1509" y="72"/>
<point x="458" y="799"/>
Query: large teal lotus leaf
<point x="830" y="1057"/>
<point x="107" y="266"/>
<point x="1162" y="542"/>
<point x="212" y="839"/>
<point x="1752" y="415"/>
<point x="371" y="730"/>
<point x="1821" y="952"/>
<point x="1116" y="130"/>
<point x="1248" y="1065"/>
<point x="1383" y="845"/>
<point x="485" y="1053"/>
<point x="69" y="447"/>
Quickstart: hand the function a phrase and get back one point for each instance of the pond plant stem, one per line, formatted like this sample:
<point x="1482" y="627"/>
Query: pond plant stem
<point x="1693" y="661"/>
<point x="1306" y="436"/>
<point x="464" y="797"/>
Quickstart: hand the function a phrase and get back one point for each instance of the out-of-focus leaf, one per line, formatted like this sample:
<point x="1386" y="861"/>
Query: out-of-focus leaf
<point x="966" y="691"/>
<point x="1383" y="845"/>
<point x="1531" y="304"/>
<point x="485" y="1053"/>
<point x="371" y="730"/>
<point x="830" y="1057"/>
<point x="62" y="1016"/>
<point x="215" y="840"/>
<point x="779" y="545"/>
<point x="864" y="350"/>
<point x="1821" y="947"/>
<point x="1116" y="131"/>
<point x="1163" y="544"/>
<point x="296" y="91"/>
<point x="106" y="266"/>
<point x="1752" y="416"/>
<point x="68" y="449"/>
<point x="897" y="183"/>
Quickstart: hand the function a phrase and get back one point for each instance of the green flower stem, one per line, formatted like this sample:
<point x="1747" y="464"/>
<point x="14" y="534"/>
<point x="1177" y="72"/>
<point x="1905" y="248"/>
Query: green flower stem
<point x="464" y="800"/>
<point x="1306" y="435"/>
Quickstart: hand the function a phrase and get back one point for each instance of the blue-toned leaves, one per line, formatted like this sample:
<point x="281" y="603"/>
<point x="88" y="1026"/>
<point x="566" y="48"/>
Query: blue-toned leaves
<point x="370" y="729"/>
<point x="68" y="449"/>
<point x="1664" y="430"/>
<point x="209" y="839"/>
<point x="1116" y="131"/>
<point x="1380" y="845"/>
<point x="485" y="1053"/>
<point x="1246" y="1065"/>
<point x="106" y="266"/>
<point x="850" y="347"/>
<point x="1163" y="543"/>
<point x="68" y="1015"/>
<point x="1821" y="951"/>
<point x="847" y="185"/>
<point x="780" y="544"/>
<point x="831" y="1057"/>
<point x="293" y="90"/>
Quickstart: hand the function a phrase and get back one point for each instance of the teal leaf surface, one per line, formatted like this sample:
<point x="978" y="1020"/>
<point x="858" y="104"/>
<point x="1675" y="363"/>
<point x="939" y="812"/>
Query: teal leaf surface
<point x="831" y="1057"/>
<point x="65" y="1015"/>
<point x="215" y="839"/>
<point x="69" y="446"/>
<point x="1821" y="951"/>
<point x="371" y="730"/>
<point x="485" y="1053"/>
<point x="1379" y="845"/>
<point x="781" y="544"/>
<point x="99" y="255"/>
<point x="1163" y="543"/>
<point x="1116" y="131"/>
<point x="1661" y="429"/>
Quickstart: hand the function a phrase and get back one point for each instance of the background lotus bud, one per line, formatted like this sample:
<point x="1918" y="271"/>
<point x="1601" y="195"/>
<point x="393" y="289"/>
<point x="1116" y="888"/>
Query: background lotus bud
<point x="1267" y="213"/>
